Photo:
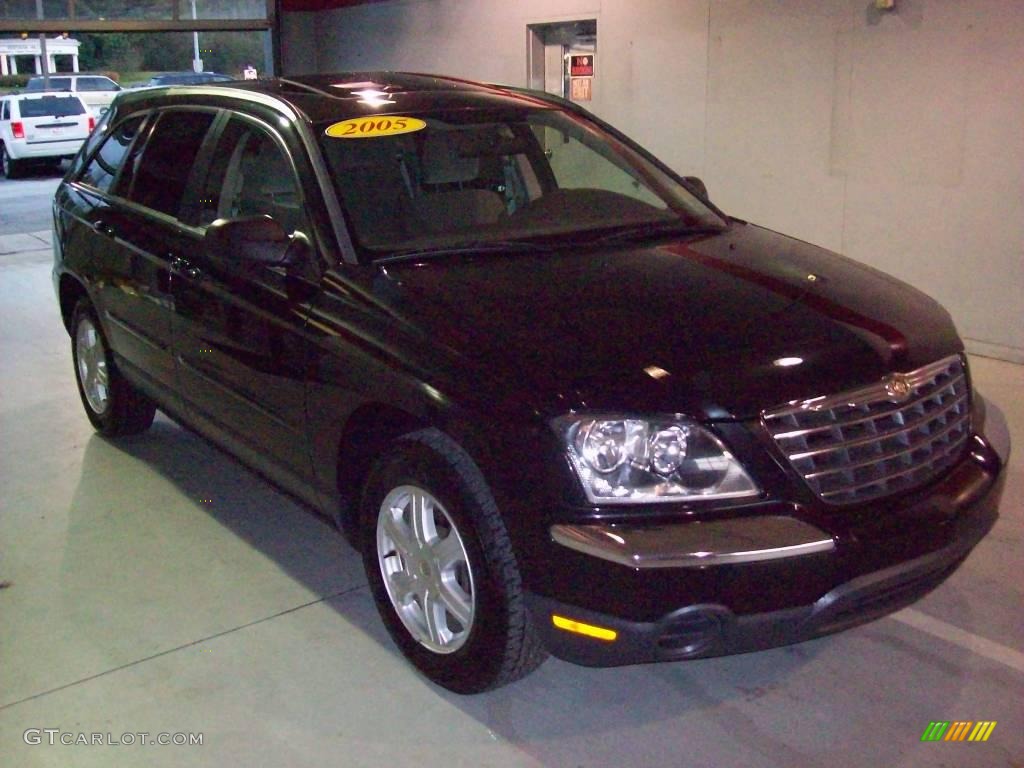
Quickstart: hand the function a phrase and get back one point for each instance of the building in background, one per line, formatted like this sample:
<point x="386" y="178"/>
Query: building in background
<point x="13" y="47"/>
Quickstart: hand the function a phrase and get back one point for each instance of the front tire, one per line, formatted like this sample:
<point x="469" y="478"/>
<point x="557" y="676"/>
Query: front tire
<point x="441" y="567"/>
<point x="112" y="404"/>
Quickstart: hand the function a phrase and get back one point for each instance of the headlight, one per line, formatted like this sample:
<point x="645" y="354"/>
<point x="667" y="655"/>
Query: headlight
<point x="625" y="460"/>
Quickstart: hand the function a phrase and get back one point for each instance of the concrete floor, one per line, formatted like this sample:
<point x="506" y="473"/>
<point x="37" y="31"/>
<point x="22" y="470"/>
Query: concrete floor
<point x="155" y="585"/>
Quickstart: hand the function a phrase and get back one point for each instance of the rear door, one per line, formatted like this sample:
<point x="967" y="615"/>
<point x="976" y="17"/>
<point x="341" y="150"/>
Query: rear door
<point x="133" y="234"/>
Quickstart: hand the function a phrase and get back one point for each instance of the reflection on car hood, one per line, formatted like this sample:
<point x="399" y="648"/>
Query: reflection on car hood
<point x="716" y="327"/>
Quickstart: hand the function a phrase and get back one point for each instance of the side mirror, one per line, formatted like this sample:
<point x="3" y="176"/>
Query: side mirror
<point x="696" y="185"/>
<point x="252" y="240"/>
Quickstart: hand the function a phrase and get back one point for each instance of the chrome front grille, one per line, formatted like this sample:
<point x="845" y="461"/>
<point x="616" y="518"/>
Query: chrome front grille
<point x="873" y="442"/>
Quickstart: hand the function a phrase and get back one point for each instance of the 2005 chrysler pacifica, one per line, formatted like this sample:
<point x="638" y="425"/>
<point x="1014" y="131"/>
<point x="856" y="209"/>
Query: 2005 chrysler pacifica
<point x="560" y="401"/>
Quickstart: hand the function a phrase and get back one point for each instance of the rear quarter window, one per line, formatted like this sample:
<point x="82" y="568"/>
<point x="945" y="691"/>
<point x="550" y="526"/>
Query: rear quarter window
<point x="105" y="164"/>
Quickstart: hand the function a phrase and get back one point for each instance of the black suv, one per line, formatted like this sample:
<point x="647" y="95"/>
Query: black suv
<point x="559" y="400"/>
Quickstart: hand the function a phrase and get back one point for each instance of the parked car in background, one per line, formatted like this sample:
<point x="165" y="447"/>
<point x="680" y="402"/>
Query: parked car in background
<point x="41" y="128"/>
<point x="187" y="78"/>
<point x="97" y="91"/>
<point x="558" y="399"/>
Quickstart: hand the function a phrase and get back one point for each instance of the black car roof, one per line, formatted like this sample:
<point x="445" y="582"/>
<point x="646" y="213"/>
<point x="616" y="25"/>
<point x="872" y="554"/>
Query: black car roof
<point x="342" y="95"/>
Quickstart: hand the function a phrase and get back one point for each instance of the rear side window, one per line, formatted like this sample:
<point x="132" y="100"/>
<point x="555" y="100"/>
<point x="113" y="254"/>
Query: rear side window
<point x="163" y="172"/>
<point x="56" y="106"/>
<point x="103" y="168"/>
<point x="56" y="84"/>
<point x="5" y="111"/>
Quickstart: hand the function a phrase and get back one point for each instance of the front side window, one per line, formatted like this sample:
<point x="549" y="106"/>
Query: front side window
<point x="163" y="169"/>
<point x="105" y="164"/>
<point x="470" y="177"/>
<point x="96" y="84"/>
<point x="250" y="175"/>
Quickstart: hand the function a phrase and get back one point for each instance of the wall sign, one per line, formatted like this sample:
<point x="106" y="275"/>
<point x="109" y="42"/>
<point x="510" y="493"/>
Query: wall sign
<point x="580" y="88"/>
<point x="581" y="65"/>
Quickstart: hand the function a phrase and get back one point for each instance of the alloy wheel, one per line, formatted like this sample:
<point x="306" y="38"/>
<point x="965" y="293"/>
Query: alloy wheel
<point x="91" y="363"/>
<point x="425" y="568"/>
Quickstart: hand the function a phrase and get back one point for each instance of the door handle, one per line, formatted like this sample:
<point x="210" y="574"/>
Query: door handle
<point x="101" y="227"/>
<point x="183" y="267"/>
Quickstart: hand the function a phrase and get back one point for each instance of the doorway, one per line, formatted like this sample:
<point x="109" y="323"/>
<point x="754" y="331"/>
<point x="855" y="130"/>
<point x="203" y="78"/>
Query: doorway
<point x="562" y="58"/>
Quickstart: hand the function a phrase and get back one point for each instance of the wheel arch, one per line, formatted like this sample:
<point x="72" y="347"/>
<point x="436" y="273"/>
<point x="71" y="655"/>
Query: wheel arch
<point x="367" y="432"/>
<point x="70" y="292"/>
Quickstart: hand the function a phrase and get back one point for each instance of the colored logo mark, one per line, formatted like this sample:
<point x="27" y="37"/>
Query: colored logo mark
<point x="958" y="730"/>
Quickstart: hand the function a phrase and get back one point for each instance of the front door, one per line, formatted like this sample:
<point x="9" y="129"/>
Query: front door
<point x="239" y="335"/>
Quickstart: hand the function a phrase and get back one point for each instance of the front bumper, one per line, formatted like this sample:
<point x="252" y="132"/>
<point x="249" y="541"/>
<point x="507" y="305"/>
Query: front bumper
<point x="841" y="579"/>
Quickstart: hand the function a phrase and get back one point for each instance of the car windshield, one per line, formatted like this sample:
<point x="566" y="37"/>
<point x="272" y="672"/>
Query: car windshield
<point x="473" y="178"/>
<point x="56" y="106"/>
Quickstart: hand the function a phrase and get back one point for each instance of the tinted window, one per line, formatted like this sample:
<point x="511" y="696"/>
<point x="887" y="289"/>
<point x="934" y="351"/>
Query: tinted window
<point x="103" y="167"/>
<point x="96" y="84"/>
<point x="250" y="176"/>
<point x="91" y="143"/>
<point x="56" y="84"/>
<point x="167" y="160"/>
<point x="5" y="111"/>
<point x="57" y="106"/>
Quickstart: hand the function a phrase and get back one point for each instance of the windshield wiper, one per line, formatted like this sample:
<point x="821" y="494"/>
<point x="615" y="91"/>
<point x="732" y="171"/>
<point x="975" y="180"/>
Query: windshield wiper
<point x="650" y="230"/>
<point x="475" y="246"/>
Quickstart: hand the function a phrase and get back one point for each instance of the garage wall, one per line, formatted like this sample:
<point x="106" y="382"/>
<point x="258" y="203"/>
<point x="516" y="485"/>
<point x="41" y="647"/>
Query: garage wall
<point x="894" y="138"/>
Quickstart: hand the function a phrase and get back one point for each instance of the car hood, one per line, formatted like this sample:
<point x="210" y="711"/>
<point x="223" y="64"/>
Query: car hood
<point x="714" y="327"/>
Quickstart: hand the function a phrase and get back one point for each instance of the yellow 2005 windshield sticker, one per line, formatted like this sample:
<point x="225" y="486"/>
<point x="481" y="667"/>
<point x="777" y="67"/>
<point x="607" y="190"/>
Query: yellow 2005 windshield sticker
<point x="371" y="127"/>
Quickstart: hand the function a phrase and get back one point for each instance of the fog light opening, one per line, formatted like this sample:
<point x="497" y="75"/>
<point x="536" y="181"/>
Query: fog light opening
<point x="578" y="627"/>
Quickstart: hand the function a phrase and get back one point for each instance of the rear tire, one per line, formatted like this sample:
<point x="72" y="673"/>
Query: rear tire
<point x="112" y="404"/>
<point x="441" y="567"/>
<point x="12" y="169"/>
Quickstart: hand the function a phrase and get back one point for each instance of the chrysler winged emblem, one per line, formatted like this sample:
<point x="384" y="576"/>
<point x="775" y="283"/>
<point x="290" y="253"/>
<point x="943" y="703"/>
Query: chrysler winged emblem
<point x="897" y="387"/>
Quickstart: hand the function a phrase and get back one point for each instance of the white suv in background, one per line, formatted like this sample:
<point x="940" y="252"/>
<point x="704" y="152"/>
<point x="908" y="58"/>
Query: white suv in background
<point x="41" y="127"/>
<point x="97" y="91"/>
